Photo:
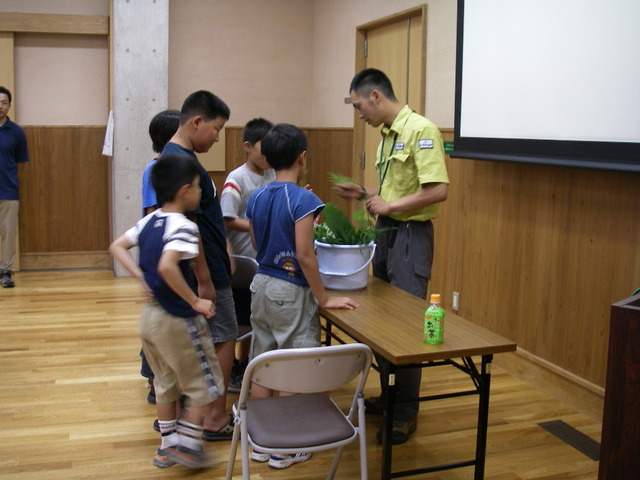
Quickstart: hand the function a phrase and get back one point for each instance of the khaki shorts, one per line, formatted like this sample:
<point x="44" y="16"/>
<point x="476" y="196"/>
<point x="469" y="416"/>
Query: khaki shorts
<point x="283" y="315"/>
<point x="173" y="359"/>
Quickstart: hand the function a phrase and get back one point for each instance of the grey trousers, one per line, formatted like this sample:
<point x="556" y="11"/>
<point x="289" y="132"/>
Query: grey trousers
<point x="403" y="258"/>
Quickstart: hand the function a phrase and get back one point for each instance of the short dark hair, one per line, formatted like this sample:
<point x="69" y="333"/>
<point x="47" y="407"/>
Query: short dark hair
<point x="255" y="130"/>
<point x="369" y="79"/>
<point x="282" y="145"/>
<point x="170" y="173"/>
<point x="6" y="91"/>
<point x="162" y="127"/>
<point x="203" y="103"/>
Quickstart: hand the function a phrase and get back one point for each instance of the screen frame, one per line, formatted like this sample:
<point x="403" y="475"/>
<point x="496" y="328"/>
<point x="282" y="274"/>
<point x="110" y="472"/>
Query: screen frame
<point x="602" y="155"/>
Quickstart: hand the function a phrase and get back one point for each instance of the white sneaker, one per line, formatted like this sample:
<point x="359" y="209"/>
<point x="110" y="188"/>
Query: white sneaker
<point x="257" y="456"/>
<point x="284" y="461"/>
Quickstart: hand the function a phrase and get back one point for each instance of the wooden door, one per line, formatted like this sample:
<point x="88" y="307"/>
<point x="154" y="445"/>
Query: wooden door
<point x="395" y="45"/>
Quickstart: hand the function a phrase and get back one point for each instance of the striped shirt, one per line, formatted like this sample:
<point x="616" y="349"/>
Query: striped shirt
<point x="159" y="232"/>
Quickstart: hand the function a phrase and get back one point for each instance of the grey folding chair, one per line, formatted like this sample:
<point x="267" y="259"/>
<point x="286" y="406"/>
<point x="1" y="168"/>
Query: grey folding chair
<point x="310" y="421"/>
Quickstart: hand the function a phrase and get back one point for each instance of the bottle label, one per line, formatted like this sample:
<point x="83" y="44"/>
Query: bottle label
<point x="433" y="325"/>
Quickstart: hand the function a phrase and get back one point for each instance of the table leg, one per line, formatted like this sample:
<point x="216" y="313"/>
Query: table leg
<point x="483" y="416"/>
<point x="389" y="396"/>
<point x="327" y="333"/>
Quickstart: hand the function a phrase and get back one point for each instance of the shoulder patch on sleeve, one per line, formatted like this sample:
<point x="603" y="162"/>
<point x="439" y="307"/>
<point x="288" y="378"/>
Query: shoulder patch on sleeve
<point x="425" y="143"/>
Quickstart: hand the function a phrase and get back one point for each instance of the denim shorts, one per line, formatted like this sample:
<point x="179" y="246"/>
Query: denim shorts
<point x="223" y="324"/>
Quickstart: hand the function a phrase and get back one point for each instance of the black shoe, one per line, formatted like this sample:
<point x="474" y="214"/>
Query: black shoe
<point x="237" y="373"/>
<point x="373" y="406"/>
<point x="402" y="430"/>
<point x="5" y="279"/>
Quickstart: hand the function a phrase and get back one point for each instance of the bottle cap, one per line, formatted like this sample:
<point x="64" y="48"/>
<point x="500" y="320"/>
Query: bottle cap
<point x="435" y="298"/>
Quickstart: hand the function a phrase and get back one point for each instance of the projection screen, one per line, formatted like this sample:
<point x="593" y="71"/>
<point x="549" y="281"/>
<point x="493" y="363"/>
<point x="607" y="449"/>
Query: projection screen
<point x="549" y="81"/>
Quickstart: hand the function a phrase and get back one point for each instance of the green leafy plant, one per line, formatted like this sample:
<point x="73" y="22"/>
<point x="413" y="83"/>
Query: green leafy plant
<point x="337" y="178"/>
<point x="337" y="229"/>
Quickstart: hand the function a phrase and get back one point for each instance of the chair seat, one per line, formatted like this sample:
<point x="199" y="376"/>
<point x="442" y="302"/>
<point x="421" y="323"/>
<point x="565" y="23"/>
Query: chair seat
<point x="277" y="421"/>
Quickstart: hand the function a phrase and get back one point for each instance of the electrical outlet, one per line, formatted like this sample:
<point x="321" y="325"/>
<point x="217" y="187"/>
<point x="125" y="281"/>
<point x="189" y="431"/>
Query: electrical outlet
<point x="455" y="302"/>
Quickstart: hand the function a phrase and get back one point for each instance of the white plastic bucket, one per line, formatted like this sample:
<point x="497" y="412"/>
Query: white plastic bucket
<point x="344" y="267"/>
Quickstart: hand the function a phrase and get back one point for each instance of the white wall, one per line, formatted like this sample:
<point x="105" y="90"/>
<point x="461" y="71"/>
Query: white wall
<point x="256" y="55"/>
<point x="287" y="60"/>
<point x="335" y="23"/>
<point x="293" y="60"/>
<point x="60" y="79"/>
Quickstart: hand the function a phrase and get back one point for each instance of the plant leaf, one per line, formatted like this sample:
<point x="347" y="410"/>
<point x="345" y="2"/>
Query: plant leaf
<point x="337" y="179"/>
<point x="338" y="230"/>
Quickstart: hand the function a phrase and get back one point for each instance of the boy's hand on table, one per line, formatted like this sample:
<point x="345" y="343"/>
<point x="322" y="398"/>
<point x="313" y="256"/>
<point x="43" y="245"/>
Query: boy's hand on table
<point x="344" y="303"/>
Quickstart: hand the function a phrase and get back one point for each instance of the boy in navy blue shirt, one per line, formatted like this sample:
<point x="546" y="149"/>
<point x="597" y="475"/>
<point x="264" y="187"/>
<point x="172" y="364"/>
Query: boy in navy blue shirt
<point x="202" y="119"/>
<point x="175" y="336"/>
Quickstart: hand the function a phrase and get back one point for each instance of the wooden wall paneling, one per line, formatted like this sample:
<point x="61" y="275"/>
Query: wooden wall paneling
<point x="329" y="150"/>
<point x="538" y="254"/>
<point x="54" y="23"/>
<point x="448" y="261"/>
<point x="64" y="194"/>
<point x="235" y="155"/>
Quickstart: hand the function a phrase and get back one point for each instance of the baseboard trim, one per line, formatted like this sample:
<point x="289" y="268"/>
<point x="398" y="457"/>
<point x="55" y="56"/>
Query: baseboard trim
<point x="566" y="387"/>
<point x="64" y="260"/>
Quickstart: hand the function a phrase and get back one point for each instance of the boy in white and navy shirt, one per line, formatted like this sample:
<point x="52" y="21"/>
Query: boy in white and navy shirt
<point x="175" y="335"/>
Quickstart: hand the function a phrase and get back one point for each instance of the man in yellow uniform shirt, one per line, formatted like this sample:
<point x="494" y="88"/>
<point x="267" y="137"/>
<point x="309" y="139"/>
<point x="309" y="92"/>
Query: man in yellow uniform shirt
<point x="412" y="182"/>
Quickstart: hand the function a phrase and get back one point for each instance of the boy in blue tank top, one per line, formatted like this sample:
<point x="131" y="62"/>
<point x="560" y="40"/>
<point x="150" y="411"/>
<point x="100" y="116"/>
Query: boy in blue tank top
<point x="175" y="336"/>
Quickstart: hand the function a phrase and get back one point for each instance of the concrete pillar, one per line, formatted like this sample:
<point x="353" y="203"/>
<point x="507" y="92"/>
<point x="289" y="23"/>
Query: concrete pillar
<point x="140" y="46"/>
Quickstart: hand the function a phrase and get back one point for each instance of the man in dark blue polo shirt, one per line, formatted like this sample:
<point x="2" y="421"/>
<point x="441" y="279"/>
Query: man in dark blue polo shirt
<point x="13" y="151"/>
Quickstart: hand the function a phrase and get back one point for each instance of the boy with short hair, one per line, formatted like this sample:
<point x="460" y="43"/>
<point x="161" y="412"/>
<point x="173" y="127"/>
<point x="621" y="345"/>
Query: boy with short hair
<point x="202" y="118"/>
<point x="162" y="127"/>
<point x="175" y="336"/>
<point x="287" y="289"/>
<point x="238" y="187"/>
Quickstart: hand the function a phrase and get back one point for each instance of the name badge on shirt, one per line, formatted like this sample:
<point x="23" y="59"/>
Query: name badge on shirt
<point x="399" y="146"/>
<point x="425" y="144"/>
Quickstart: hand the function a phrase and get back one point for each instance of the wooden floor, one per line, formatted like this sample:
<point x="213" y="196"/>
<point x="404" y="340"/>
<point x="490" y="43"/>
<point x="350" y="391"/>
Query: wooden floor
<point x="73" y="405"/>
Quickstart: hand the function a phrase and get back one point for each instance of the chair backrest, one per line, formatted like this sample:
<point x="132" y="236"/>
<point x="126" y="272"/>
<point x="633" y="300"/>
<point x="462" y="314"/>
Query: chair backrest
<point x="306" y="370"/>
<point x="246" y="268"/>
